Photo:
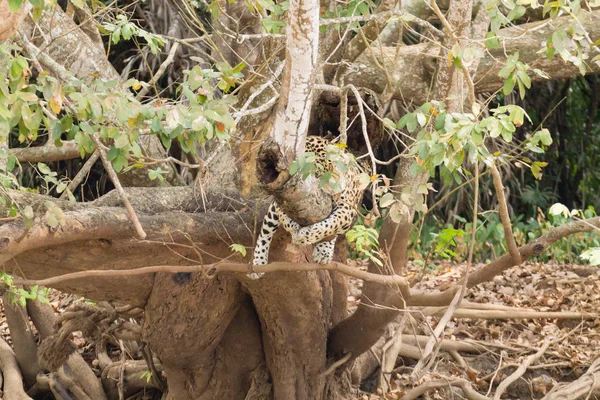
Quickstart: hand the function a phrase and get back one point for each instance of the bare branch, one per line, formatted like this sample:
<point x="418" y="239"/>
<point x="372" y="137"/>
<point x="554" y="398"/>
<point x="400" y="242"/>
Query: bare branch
<point x="115" y="180"/>
<point x="160" y="72"/>
<point x="504" y="216"/>
<point x="213" y="269"/>
<point x="81" y="174"/>
<point x="47" y="153"/>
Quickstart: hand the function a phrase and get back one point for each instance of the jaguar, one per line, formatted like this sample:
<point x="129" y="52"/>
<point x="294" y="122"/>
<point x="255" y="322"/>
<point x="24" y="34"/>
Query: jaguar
<point x="323" y="233"/>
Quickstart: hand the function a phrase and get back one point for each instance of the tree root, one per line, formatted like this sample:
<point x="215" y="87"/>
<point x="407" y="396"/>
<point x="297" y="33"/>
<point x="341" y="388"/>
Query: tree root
<point x="133" y="375"/>
<point x="586" y="385"/>
<point x="24" y="344"/>
<point x="521" y="370"/>
<point x="44" y="320"/>
<point x="465" y="386"/>
<point x="13" y="381"/>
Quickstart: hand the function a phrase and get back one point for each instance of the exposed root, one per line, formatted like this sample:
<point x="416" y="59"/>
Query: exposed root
<point x="23" y="342"/>
<point x="44" y="320"/>
<point x="130" y="376"/>
<point x="13" y="380"/>
<point x="586" y="385"/>
<point x="55" y="350"/>
<point x="260" y="387"/>
<point x="521" y="370"/>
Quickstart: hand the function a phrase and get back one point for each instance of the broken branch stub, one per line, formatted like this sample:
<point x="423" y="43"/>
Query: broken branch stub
<point x="302" y="199"/>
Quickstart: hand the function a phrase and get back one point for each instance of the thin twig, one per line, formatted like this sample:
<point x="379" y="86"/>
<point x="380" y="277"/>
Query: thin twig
<point x="83" y="172"/>
<point x="212" y="269"/>
<point x="115" y="180"/>
<point x="159" y="73"/>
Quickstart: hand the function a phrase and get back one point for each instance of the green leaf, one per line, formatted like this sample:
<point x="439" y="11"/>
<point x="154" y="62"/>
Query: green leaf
<point x="592" y="256"/>
<point x="386" y="200"/>
<point x="516" y="13"/>
<point x="119" y="162"/>
<point x="113" y="153"/>
<point x="411" y="122"/>
<point x="11" y="162"/>
<point x="509" y="85"/>
<point x="44" y="169"/>
<point x="28" y="216"/>
<point x="543" y="135"/>
<point x="294" y="168"/>
<point x="122" y="141"/>
<point x="14" y="5"/>
<point x="491" y="41"/>
<point x="239" y="248"/>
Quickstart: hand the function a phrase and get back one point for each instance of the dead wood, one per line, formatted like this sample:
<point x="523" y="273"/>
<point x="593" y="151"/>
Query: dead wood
<point x="509" y="314"/>
<point x="586" y="385"/>
<point x="521" y="370"/>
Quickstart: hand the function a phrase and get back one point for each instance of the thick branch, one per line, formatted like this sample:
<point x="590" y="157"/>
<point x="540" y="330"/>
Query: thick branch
<point x="47" y="153"/>
<point x="415" y="64"/>
<point x="302" y="46"/>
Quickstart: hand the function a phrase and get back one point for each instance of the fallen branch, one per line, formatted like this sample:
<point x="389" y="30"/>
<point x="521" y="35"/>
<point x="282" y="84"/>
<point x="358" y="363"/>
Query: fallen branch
<point x="439" y="330"/>
<point x="521" y="370"/>
<point x="587" y="384"/>
<point x="509" y="314"/>
<point x="465" y="386"/>
<point x="446" y="344"/>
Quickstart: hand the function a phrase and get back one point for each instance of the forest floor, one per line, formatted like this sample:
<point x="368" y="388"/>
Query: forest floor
<point x="488" y="323"/>
<point x="570" y="292"/>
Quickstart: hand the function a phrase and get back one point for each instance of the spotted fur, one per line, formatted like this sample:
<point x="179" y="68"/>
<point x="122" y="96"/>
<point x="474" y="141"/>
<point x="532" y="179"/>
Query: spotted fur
<point x="321" y="234"/>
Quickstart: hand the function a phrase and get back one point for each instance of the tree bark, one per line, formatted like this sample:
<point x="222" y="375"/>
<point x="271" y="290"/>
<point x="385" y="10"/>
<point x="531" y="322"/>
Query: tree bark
<point x="13" y="381"/>
<point x="23" y="341"/>
<point x="415" y="64"/>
